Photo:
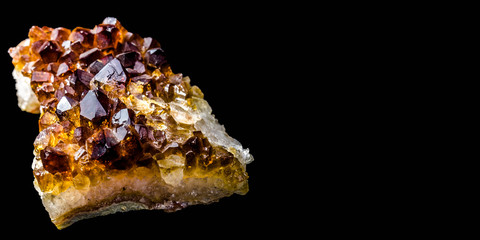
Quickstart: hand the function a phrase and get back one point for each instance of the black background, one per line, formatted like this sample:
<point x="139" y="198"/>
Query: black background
<point x="236" y="54"/>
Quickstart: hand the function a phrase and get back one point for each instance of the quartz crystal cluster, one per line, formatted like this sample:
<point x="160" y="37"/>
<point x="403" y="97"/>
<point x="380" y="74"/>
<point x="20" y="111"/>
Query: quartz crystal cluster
<point x="119" y="130"/>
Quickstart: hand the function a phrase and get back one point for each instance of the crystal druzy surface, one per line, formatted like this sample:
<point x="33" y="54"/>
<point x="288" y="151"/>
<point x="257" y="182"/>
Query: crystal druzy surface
<point x="119" y="130"/>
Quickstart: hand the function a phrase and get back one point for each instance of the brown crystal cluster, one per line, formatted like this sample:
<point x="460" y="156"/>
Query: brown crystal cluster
<point x="104" y="97"/>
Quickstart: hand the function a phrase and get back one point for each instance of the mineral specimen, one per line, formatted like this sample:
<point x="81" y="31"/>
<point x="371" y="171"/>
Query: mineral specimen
<point x="119" y="130"/>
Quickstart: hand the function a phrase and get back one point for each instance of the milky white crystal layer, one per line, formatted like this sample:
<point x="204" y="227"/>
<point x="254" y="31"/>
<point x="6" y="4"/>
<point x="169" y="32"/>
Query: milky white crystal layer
<point x="27" y="101"/>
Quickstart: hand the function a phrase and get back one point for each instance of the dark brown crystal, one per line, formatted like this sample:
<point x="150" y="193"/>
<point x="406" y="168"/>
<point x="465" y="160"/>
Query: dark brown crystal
<point x="91" y="55"/>
<point x="79" y="81"/>
<point x="97" y="145"/>
<point x="106" y="36"/>
<point x="69" y="57"/>
<point x="39" y="76"/>
<point x="81" y="134"/>
<point x="94" y="106"/>
<point x="50" y="51"/>
<point x="84" y="77"/>
<point x="54" y="161"/>
<point x="77" y="47"/>
<point x="60" y="34"/>
<point x="83" y="36"/>
<point x="155" y="57"/>
<point x="36" y="47"/>
<point x="130" y="47"/>
<point x="129" y="59"/>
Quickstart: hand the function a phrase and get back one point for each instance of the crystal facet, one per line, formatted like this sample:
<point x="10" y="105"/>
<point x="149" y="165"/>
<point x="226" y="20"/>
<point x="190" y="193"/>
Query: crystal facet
<point x="91" y="108"/>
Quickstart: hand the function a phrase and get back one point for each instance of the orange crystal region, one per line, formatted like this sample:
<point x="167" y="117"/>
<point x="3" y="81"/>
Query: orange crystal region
<point x="118" y="126"/>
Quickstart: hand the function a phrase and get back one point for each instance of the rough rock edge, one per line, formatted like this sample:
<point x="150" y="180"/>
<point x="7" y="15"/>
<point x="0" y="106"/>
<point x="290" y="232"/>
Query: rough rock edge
<point x="121" y="194"/>
<point x="90" y="212"/>
<point x="27" y="101"/>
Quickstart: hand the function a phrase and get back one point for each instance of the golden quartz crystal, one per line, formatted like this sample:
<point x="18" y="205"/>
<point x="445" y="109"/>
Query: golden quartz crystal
<point x="119" y="131"/>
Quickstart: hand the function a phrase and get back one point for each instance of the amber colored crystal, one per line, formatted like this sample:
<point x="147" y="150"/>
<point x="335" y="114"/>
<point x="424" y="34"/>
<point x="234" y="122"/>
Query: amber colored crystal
<point x="106" y="36"/>
<point x="50" y="51"/>
<point x="36" y="33"/>
<point x="54" y="161"/>
<point x="155" y="57"/>
<point x="60" y="34"/>
<point x="47" y="119"/>
<point x="83" y="36"/>
<point x="110" y="106"/>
